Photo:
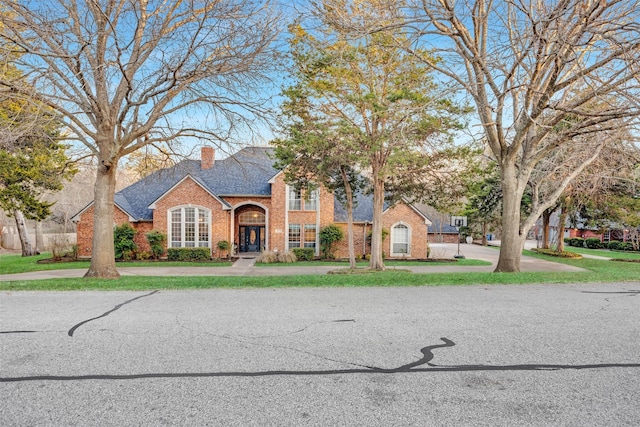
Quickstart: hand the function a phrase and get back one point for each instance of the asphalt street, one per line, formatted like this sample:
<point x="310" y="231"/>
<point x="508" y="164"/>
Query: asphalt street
<point x="470" y="355"/>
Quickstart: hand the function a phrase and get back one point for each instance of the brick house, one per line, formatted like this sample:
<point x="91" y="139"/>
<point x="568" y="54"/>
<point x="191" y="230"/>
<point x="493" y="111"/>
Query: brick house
<point x="244" y="200"/>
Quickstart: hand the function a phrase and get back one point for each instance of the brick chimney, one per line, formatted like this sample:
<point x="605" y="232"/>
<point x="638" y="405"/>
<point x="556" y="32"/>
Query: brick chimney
<point x="207" y="157"/>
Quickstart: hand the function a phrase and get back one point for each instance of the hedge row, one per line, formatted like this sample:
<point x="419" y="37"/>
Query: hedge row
<point x="595" y="243"/>
<point x="188" y="254"/>
<point x="304" y="254"/>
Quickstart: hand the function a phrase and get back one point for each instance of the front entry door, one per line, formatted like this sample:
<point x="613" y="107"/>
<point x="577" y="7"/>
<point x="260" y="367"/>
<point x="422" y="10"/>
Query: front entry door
<point x="252" y="238"/>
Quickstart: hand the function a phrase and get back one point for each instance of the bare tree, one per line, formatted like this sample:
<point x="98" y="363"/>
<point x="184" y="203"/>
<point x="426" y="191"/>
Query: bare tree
<point x="606" y="176"/>
<point x="124" y="72"/>
<point x="542" y="74"/>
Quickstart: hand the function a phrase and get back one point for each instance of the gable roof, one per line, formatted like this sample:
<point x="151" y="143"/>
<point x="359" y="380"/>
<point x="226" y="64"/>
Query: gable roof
<point x="245" y="173"/>
<point x="363" y="209"/>
<point x="439" y="222"/>
<point x="198" y="181"/>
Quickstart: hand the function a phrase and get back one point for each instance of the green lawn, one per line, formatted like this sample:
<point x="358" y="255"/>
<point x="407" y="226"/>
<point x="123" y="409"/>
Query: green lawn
<point x="390" y="263"/>
<point x="11" y="264"/>
<point x="597" y="271"/>
<point x="604" y="253"/>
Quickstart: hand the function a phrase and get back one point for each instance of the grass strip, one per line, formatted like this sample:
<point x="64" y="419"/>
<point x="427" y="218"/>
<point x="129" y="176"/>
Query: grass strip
<point x="388" y="263"/>
<point x="15" y="263"/>
<point x="597" y="271"/>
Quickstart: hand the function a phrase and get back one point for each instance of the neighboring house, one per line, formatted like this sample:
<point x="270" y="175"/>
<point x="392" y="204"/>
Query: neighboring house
<point x="440" y="230"/>
<point x="582" y="230"/>
<point x="244" y="200"/>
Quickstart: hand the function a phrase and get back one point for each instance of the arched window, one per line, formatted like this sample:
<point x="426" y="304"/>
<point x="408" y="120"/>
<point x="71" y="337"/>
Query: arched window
<point x="251" y="217"/>
<point x="400" y="240"/>
<point x="189" y="227"/>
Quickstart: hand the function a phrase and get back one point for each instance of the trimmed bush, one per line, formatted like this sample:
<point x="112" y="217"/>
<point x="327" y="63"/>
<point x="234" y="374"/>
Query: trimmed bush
<point x="304" y="254"/>
<point x="123" y="242"/>
<point x="188" y="254"/>
<point x="614" y="245"/>
<point x="626" y="246"/>
<point x="593" y="243"/>
<point x="551" y="252"/>
<point x="577" y="242"/>
<point x="156" y="241"/>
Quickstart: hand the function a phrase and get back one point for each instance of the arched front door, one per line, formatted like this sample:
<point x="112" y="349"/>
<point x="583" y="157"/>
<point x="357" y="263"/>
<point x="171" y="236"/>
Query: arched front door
<point x="251" y="229"/>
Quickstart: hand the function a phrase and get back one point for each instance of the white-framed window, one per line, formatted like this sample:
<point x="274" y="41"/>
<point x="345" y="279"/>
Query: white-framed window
<point x="294" y="236"/>
<point x="295" y="199"/>
<point x="298" y="200"/>
<point x="189" y="227"/>
<point x="252" y="217"/>
<point x="311" y="202"/>
<point x="310" y="236"/>
<point x="400" y="240"/>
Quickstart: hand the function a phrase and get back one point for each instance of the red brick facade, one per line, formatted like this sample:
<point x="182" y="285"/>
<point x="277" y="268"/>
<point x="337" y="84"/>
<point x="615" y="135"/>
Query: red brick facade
<point x="225" y="213"/>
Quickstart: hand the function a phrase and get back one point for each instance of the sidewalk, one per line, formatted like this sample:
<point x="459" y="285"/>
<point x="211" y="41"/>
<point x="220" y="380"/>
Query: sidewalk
<point x="246" y="267"/>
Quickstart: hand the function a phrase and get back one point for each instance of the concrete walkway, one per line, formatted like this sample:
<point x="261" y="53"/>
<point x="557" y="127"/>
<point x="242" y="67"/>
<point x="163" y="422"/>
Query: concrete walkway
<point x="246" y="266"/>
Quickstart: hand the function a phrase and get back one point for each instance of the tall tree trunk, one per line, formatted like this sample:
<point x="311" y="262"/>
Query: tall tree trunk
<point x="512" y="242"/>
<point x="377" y="262"/>
<point x="103" y="264"/>
<point x="485" y="230"/>
<point x="562" y="219"/>
<point x="349" y="197"/>
<point x="39" y="237"/>
<point x="546" y="218"/>
<point x="27" y="248"/>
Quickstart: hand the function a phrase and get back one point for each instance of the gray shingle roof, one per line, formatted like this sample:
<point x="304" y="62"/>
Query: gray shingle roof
<point x="362" y="212"/>
<point x="245" y="173"/>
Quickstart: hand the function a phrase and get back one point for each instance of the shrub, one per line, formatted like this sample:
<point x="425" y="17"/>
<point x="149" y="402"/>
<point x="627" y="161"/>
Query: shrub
<point x="223" y="246"/>
<point x="58" y="244"/>
<point x="156" y="241"/>
<point x="614" y="245"/>
<point x="75" y="250"/>
<point x="143" y="256"/>
<point x="577" y="242"/>
<point x="271" y="257"/>
<point x="329" y="236"/>
<point x="188" y="254"/>
<point x="123" y="241"/>
<point x="304" y="254"/>
<point x="287" y="257"/>
<point x="593" y="243"/>
<point x="551" y="252"/>
<point x="626" y="246"/>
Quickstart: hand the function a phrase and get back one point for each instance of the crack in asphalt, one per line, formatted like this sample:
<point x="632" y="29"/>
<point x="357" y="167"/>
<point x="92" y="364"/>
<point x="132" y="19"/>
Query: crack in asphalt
<point x="404" y="369"/>
<point x="117" y="307"/>
<point x="259" y="344"/>
<point x="18" y="332"/>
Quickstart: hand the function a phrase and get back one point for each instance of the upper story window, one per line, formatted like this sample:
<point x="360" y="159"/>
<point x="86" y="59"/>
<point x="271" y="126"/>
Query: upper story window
<point x="189" y="227"/>
<point x="311" y="202"/>
<point x="298" y="200"/>
<point x="295" y="199"/>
